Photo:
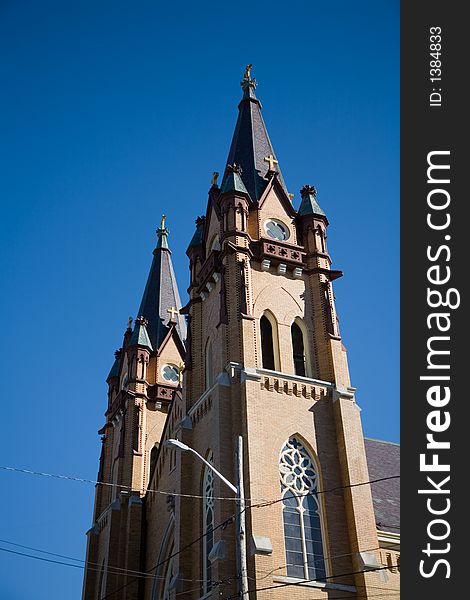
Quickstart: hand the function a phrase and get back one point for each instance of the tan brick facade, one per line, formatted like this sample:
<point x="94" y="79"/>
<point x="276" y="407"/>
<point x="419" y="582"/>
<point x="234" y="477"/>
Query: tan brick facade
<point x="226" y="393"/>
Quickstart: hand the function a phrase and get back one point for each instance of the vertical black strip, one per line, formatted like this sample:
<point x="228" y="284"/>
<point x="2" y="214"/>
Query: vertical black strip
<point x="438" y="123"/>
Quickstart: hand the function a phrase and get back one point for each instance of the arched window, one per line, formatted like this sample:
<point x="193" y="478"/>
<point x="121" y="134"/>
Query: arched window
<point x="209" y="366"/>
<point x="165" y="575"/>
<point x="298" y="349"/>
<point x="207" y="525"/>
<point x="301" y="513"/>
<point x="268" y="342"/>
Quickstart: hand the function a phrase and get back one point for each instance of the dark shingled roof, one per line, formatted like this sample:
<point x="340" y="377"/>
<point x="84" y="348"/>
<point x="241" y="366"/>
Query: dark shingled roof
<point x="161" y="293"/>
<point x="251" y="144"/>
<point x="383" y="460"/>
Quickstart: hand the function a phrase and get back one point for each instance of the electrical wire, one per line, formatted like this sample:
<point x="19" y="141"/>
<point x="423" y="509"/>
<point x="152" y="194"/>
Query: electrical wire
<point x="259" y="503"/>
<point x="304" y="581"/>
<point x="210" y="531"/>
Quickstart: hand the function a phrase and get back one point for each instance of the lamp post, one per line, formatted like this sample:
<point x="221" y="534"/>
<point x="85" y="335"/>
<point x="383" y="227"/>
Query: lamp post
<point x="238" y="490"/>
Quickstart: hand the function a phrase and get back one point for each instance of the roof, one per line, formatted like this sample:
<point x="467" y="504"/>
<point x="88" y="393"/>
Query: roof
<point x="233" y="181"/>
<point x="114" y="369"/>
<point x="161" y="294"/>
<point x="251" y="144"/>
<point x="383" y="460"/>
<point x="140" y="336"/>
<point x="309" y="204"/>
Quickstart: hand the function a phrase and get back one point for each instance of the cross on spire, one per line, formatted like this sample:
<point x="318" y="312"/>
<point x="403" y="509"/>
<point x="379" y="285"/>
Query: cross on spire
<point x="272" y="161"/>
<point x="173" y="311"/>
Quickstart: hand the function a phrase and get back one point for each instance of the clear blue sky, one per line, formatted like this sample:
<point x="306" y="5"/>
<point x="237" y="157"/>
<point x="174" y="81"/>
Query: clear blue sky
<point x="113" y="112"/>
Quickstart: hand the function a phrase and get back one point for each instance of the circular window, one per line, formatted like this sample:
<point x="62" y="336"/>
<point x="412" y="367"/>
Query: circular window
<point x="277" y="230"/>
<point x="170" y="373"/>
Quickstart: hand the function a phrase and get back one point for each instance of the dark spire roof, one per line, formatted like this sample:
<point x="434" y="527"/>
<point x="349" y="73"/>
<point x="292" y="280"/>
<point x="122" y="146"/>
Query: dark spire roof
<point x="251" y="143"/>
<point x="309" y="204"/>
<point x="233" y="181"/>
<point x="198" y="236"/>
<point x="140" y="336"/>
<point x="115" y="368"/>
<point x="161" y="293"/>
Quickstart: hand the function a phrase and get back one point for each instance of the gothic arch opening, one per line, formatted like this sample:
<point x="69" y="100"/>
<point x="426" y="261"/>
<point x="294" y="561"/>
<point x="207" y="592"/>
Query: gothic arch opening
<point x="166" y="572"/>
<point x="269" y="342"/>
<point x="300" y="349"/>
<point x="302" y="512"/>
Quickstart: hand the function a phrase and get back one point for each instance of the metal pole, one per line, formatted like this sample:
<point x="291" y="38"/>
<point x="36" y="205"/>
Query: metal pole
<point x="240" y="524"/>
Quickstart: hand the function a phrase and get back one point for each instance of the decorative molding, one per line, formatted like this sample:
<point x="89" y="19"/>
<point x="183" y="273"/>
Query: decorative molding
<point x="345" y="394"/>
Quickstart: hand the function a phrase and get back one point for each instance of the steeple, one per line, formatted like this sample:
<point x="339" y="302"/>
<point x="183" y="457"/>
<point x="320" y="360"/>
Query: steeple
<point x="309" y="205"/>
<point x="161" y="293"/>
<point x="251" y="148"/>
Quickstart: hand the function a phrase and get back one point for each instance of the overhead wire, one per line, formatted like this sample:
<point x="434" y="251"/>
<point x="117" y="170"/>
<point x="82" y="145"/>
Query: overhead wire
<point x="304" y="581"/>
<point x="259" y="503"/>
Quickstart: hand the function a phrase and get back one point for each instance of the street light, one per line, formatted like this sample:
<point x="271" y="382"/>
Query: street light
<point x="240" y="500"/>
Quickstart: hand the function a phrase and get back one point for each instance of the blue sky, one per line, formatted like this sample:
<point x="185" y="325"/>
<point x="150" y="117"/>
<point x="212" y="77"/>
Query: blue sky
<point x="114" y="112"/>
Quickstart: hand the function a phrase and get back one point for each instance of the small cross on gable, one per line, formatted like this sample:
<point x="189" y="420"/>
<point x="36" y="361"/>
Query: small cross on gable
<point x="173" y="311"/>
<point x="272" y="161"/>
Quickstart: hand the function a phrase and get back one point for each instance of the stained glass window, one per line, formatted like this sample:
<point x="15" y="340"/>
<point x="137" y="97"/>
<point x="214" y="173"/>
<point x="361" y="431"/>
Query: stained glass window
<point x="301" y="513"/>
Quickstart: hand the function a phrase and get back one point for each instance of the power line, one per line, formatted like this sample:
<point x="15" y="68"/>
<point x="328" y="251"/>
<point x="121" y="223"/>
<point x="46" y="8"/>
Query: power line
<point x="112" y="569"/>
<point x="304" y="581"/>
<point x="318" y="492"/>
<point x="223" y="525"/>
<point x="259" y="503"/>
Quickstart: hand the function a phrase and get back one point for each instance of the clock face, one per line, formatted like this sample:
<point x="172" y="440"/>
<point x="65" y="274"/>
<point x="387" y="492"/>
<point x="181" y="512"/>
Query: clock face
<point x="170" y="373"/>
<point x="277" y="230"/>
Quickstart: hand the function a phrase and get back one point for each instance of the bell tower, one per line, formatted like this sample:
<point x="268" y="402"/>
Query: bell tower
<point x="266" y="361"/>
<point x="142" y="385"/>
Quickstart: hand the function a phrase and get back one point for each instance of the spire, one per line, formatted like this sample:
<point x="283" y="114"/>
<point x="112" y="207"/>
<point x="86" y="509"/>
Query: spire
<point x="161" y="293"/>
<point x="251" y="147"/>
<point x="309" y="204"/>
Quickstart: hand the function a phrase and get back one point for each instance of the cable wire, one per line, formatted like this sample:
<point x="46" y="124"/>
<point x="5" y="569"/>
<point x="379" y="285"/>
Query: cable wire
<point x="304" y="581"/>
<point x="259" y="503"/>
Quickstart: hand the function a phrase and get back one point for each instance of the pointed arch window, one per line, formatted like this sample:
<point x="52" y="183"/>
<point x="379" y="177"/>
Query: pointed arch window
<point x="207" y="525"/>
<point x="301" y="513"/>
<point x="298" y="349"/>
<point x="166" y="574"/>
<point x="269" y="342"/>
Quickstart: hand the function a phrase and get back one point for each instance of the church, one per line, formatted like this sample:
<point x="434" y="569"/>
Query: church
<point x="233" y="462"/>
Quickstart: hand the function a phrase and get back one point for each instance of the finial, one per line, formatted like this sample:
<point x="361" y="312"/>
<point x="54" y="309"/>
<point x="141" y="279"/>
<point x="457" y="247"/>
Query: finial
<point x="248" y="84"/>
<point x="181" y="368"/>
<point x="234" y="168"/>
<point x="141" y="321"/>
<point x="307" y="190"/>
<point x="215" y="176"/>
<point x="129" y="322"/>
<point x="162" y="233"/>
